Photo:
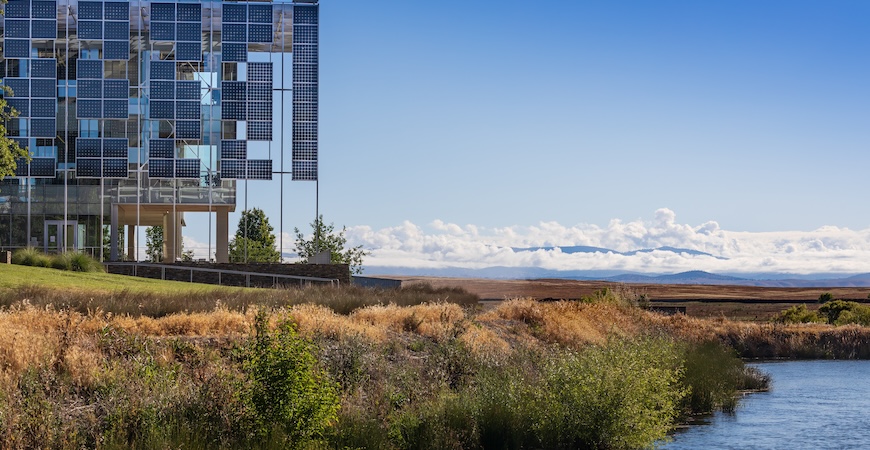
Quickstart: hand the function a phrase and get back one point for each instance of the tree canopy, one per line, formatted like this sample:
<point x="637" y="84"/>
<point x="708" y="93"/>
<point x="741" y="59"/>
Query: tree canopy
<point x="324" y="238"/>
<point x="254" y="240"/>
<point x="10" y="152"/>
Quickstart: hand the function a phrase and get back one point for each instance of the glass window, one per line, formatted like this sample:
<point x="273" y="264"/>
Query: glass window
<point x="90" y="89"/>
<point x="117" y="11"/>
<point x="44" y="29"/>
<point x="90" y="29"/>
<point x="164" y="12"/>
<point x="162" y="31"/>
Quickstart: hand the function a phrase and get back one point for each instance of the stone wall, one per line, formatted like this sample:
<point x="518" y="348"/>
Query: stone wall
<point x="182" y="272"/>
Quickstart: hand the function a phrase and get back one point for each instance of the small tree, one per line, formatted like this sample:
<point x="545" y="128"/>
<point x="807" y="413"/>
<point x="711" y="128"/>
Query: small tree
<point x="10" y="153"/>
<point x="254" y="240"/>
<point x="324" y="238"/>
<point x="154" y="243"/>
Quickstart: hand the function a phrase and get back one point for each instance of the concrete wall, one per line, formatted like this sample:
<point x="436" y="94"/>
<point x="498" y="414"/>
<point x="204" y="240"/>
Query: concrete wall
<point x="180" y="272"/>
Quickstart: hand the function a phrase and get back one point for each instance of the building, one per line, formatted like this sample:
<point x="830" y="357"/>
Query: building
<point x="137" y="112"/>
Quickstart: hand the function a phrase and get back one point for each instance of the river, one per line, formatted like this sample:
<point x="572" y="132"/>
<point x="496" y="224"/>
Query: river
<point x="811" y="405"/>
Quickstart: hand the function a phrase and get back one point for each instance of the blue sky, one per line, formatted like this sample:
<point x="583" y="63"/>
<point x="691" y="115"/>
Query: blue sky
<point x="752" y="115"/>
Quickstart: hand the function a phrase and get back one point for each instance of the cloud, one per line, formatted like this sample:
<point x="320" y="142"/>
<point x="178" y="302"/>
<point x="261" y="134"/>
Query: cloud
<point x="441" y="244"/>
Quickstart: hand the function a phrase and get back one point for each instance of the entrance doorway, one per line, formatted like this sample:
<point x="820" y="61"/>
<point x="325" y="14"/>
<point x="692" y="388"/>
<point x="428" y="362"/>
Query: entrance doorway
<point x="61" y="235"/>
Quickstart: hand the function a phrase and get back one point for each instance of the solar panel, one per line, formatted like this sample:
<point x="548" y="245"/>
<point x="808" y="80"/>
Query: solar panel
<point x="44" y="29"/>
<point x="163" y="12"/>
<point x="115" y="148"/>
<point x="233" y="169"/>
<point x="233" y="110"/>
<point x="188" y="51"/>
<point x="160" y="168"/>
<point x="305" y="15"/>
<point x="116" y="89"/>
<point x="46" y="68"/>
<point x="22" y="105"/>
<point x="305" y="170"/>
<point x="188" y="109"/>
<point x="89" y="148"/>
<point x="89" y="168"/>
<point x="43" y="107"/>
<point x="187" y="168"/>
<point x="259" y="169"/>
<point x="190" y="32"/>
<point x="162" y="31"/>
<point x="43" y="128"/>
<point x="117" y="10"/>
<point x="115" y="168"/>
<point x="116" y="50"/>
<point x="162" y="70"/>
<point x="234" y="91"/>
<point x="234" y="13"/>
<point x="189" y="12"/>
<point x="43" y="88"/>
<point x="90" y="10"/>
<point x="234" y="149"/>
<point x="90" y="29"/>
<point x="18" y="8"/>
<point x="43" y="10"/>
<point x="260" y="33"/>
<point x="259" y="131"/>
<point x="16" y="48"/>
<point x="17" y="28"/>
<point x="20" y="86"/>
<point x="259" y="110"/>
<point x="162" y="90"/>
<point x="259" y="91"/>
<point x="90" y="89"/>
<point x="260" y="71"/>
<point x="235" y="52"/>
<point x="187" y="129"/>
<point x="116" y="109"/>
<point x="42" y="167"/>
<point x="162" y="110"/>
<point x="260" y="13"/>
<point x="161" y="148"/>
<point x="188" y="90"/>
<point x="235" y="33"/>
<point x="89" y="68"/>
<point x="22" y="169"/>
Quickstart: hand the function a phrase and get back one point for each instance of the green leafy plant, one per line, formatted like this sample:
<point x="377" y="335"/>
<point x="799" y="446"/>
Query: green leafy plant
<point x="254" y="240"/>
<point x="30" y="256"/>
<point x="324" y="238"/>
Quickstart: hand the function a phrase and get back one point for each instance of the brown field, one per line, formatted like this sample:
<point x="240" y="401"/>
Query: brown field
<point x="733" y="302"/>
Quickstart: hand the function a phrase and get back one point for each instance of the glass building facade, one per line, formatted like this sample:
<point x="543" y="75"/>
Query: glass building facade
<point x="136" y="112"/>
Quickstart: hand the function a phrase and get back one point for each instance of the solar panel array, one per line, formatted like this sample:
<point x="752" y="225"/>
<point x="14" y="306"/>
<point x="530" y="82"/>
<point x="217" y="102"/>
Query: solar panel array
<point x="305" y="91"/>
<point x="101" y="157"/>
<point x="163" y="163"/>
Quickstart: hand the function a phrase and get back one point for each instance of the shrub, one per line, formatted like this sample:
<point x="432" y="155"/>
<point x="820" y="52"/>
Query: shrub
<point x="291" y="398"/>
<point x="712" y="375"/>
<point x="841" y="312"/>
<point x="798" y="314"/>
<point x="31" y="256"/>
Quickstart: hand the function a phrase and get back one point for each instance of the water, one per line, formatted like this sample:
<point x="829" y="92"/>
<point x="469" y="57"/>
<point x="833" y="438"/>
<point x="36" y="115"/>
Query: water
<point x="811" y="405"/>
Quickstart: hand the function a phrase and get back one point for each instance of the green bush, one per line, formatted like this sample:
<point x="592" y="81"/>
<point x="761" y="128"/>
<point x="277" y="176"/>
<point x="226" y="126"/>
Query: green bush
<point x="798" y="314"/>
<point x="31" y="256"/>
<point x="713" y="375"/>
<point x="292" y="399"/>
<point x="841" y="312"/>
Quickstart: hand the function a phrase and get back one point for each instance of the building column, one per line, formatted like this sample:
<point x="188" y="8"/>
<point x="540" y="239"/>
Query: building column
<point x="131" y="242"/>
<point x="113" y="234"/>
<point x="169" y="235"/>
<point x="222" y="250"/>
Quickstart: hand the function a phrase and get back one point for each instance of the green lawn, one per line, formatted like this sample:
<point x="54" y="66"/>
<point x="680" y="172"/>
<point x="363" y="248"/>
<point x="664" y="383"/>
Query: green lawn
<point x="14" y="276"/>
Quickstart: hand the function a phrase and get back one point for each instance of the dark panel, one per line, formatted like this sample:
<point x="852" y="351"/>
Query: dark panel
<point x="260" y="13"/>
<point x="89" y="109"/>
<point x="234" y="13"/>
<point x="259" y="131"/>
<point x="163" y="12"/>
<point x="259" y="92"/>
<point x="260" y="33"/>
<point x="160" y="168"/>
<point x="16" y="48"/>
<point x="189" y="12"/>
<point x="307" y="53"/>
<point x="115" y="168"/>
<point x="188" y="51"/>
<point x="22" y="142"/>
<point x="161" y="148"/>
<point x="190" y="32"/>
<point x="304" y="34"/>
<point x="305" y="170"/>
<point x="235" y="52"/>
<point x="162" y="70"/>
<point x="46" y="128"/>
<point x="90" y="10"/>
<point x="21" y="168"/>
<point x="22" y="105"/>
<point x="90" y="89"/>
<point x="305" y="15"/>
<point x="116" y="89"/>
<point x="116" y="109"/>
<point x="187" y="110"/>
<point x="235" y="33"/>
<point x="89" y="68"/>
<point x="90" y="29"/>
<point x="260" y="71"/>
<point x="162" y="110"/>
<point x="234" y="149"/>
<point x="89" y="148"/>
<point x="234" y="91"/>
<point x="89" y="168"/>
<point x="187" y="129"/>
<point x="17" y="28"/>
<point x="233" y="110"/>
<point x="42" y="167"/>
<point x="233" y="169"/>
<point x="118" y="31"/>
<point x="304" y="73"/>
<point x="305" y="151"/>
<point x="44" y="10"/>
<point x="18" y="9"/>
<point x="259" y="111"/>
<point x="188" y="90"/>
<point x="259" y="169"/>
<point x="20" y="87"/>
<point x="44" y="29"/>
<point x="43" y="87"/>
<point x="115" y="148"/>
<point x="162" y="31"/>
<point x="116" y="50"/>
<point x="187" y="168"/>
<point x="44" y="68"/>
<point x="305" y="131"/>
<point x="43" y="107"/>
<point x="118" y="11"/>
<point x="162" y="90"/>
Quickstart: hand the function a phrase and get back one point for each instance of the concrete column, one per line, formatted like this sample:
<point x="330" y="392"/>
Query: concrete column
<point x="179" y="226"/>
<point x="222" y="250"/>
<point x="113" y="234"/>
<point x="131" y="242"/>
<point x="169" y="235"/>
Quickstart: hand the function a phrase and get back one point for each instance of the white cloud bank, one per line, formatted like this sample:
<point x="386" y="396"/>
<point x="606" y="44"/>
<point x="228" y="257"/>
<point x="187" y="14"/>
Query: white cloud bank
<point x="442" y="245"/>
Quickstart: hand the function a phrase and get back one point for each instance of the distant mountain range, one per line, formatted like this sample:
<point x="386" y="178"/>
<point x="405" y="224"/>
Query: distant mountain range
<point x="587" y="249"/>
